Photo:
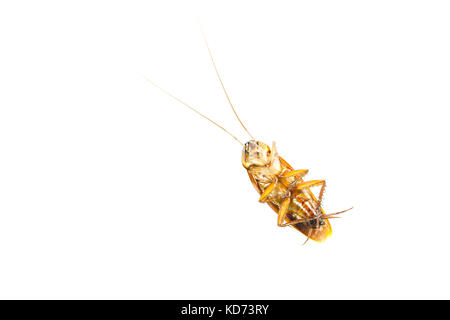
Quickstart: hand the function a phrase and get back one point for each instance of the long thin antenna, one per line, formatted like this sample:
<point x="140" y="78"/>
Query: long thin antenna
<point x="224" y="90"/>
<point x="193" y="109"/>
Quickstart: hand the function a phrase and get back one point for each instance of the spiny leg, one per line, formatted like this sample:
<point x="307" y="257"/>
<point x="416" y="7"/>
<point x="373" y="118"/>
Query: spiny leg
<point x="322" y="190"/>
<point x="313" y="183"/>
<point x="332" y="215"/>
<point x="283" y="209"/>
<point x="327" y="216"/>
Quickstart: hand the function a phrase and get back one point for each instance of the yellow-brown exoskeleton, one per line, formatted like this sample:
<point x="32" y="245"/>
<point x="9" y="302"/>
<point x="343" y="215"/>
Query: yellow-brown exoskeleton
<point x="285" y="191"/>
<point x="279" y="185"/>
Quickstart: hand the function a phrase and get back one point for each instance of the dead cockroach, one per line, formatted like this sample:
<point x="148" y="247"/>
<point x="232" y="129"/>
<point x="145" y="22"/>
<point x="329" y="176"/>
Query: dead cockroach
<point x="279" y="185"/>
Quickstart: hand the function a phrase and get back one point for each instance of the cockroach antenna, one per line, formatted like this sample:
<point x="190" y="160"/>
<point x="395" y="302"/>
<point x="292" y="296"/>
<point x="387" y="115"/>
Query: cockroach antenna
<point x="223" y="86"/>
<point x="192" y="108"/>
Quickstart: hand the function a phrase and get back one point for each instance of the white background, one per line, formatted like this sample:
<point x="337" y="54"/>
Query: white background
<point x="111" y="189"/>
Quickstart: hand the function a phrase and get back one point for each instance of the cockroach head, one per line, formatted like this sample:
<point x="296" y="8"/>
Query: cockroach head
<point x="255" y="153"/>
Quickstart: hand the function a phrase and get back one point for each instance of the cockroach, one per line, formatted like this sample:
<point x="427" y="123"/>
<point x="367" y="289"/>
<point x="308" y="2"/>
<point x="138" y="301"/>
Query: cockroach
<point x="277" y="182"/>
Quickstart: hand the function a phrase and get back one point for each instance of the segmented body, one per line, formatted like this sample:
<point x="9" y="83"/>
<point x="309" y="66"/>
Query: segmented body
<point x="262" y="176"/>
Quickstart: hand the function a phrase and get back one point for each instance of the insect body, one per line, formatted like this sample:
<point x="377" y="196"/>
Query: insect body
<point x="279" y="185"/>
<point x="285" y="191"/>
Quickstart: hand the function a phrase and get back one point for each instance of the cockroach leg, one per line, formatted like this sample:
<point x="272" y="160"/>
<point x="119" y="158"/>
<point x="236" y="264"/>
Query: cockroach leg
<point x="322" y="190"/>
<point x="313" y="183"/>
<point x="282" y="211"/>
<point x="267" y="191"/>
<point x="309" y="184"/>
<point x="296" y="173"/>
<point x="331" y="215"/>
